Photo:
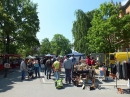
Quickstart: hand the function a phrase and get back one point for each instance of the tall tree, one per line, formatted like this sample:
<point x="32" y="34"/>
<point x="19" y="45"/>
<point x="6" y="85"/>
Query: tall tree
<point x="80" y="29"/>
<point x="19" y="23"/>
<point x="122" y="29"/>
<point x="102" y="33"/>
<point x="60" y="44"/>
<point x="45" y="47"/>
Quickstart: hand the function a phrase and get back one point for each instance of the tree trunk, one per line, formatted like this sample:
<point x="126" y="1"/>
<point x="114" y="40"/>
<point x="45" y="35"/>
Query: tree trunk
<point x="7" y="44"/>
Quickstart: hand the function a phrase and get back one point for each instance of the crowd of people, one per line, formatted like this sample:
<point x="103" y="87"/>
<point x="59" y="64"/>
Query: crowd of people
<point x="50" y="65"/>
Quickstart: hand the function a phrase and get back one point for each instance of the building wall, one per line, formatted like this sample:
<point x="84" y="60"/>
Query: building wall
<point x="122" y="14"/>
<point x="127" y="9"/>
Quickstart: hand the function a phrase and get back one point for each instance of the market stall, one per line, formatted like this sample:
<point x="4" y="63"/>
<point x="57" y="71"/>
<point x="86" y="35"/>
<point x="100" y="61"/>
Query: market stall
<point x="84" y="75"/>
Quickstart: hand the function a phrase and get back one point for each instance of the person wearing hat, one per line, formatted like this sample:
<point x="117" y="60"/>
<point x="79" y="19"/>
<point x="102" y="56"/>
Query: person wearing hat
<point x="57" y="68"/>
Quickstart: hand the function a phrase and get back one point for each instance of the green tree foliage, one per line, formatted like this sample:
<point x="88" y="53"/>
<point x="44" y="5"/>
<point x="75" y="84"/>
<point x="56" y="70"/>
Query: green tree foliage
<point x="45" y="47"/>
<point x="122" y="29"/>
<point x="60" y="45"/>
<point x="80" y="29"/>
<point x="19" y="23"/>
<point x="102" y="33"/>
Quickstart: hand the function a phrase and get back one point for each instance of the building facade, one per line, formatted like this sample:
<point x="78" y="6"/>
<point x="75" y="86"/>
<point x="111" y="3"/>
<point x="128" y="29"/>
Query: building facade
<point x="125" y="10"/>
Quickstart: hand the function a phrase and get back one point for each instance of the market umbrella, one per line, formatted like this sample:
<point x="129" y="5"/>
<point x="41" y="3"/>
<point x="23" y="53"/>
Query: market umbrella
<point x="49" y="55"/>
<point x="30" y="57"/>
<point x="76" y="54"/>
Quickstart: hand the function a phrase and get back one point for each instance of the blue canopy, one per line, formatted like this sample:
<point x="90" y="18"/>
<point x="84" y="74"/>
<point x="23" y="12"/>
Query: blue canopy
<point x="76" y="54"/>
<point x="49" y="55"/>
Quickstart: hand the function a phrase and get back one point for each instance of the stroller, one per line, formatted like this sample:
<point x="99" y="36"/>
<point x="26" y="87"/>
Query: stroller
<point x="30" y="71"/>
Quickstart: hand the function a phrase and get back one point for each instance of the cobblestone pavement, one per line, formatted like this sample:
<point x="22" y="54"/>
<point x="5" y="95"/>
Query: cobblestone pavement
<point x="12" y="86"/>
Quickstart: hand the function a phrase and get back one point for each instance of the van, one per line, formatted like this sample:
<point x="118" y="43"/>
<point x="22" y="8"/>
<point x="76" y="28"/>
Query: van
<point x="122" y="56"/>
<point x="109" y="59"/>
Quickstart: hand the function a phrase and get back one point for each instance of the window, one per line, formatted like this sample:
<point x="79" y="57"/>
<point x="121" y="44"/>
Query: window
<point x="112" y="57"/>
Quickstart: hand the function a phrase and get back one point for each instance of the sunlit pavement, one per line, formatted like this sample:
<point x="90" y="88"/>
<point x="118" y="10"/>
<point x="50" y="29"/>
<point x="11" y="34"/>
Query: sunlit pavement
<point x="12" y="86"/>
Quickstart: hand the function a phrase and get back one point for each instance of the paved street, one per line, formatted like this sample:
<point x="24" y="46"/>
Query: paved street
<point x="41" y="87"/>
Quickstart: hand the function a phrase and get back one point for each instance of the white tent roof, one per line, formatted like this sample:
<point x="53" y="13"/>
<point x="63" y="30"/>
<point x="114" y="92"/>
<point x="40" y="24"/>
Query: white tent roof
<point x="30" y="57"/>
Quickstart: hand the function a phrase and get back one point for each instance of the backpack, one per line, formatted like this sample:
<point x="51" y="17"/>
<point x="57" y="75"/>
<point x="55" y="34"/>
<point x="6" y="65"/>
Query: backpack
<point x="59" y="84"/>
<point x="49" y="63"/>
<point x="73" y="59"/>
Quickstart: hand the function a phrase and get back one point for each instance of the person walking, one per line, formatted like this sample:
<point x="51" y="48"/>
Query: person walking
<point x="36" y="68"/>
<point x="68" y="66"/>
<point x="23" y="69"/>
<point x="57" y="68"/>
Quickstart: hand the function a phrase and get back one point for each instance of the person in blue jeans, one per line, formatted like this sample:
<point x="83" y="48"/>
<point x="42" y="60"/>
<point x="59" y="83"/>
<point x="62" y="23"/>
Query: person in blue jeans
<point x="49" y="67"/>
<point x="36" y="68"/>
<point x="57" y="68"/>
<point x="23" y="69"/>
<point x="68" y="66"/>
<point x="45" y="69"/>
<point x="49" y="73"/>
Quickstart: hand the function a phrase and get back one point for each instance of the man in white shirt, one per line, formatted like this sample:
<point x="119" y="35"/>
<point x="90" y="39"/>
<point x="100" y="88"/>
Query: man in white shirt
<point x="68" y="65"/>
<point x="73" y="59"/>
<point x="23" y="69"/>
<point x="6" y="67"/>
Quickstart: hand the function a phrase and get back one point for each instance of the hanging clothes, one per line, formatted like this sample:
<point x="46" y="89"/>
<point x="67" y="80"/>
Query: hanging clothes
<point x="107" y="72"/>
<point x="119" y="70"/>
<point x="111" y="66"/>
<point x="114" y="69"/>
<point x="128" y="70"/>
<point x="124" y="70"/>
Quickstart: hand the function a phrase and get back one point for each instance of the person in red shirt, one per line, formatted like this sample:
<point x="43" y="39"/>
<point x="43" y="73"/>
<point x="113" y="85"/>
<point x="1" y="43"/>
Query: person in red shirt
<point x="88" y="60"/>
<point x="92" y="61"/>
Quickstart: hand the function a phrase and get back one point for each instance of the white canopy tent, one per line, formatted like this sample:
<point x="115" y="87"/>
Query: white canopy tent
<point x="30" y="57"/>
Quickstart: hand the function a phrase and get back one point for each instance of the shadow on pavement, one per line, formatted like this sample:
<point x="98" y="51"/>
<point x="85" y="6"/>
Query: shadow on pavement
<point x="104" y="81"/>
<point x="126" y="91"/>
<point x="98" y="81"/>
<point x="103" y="88"/>
<point x="108" y="81"/>
<point x="12" y="78"/>
<point x="68" y="85"/>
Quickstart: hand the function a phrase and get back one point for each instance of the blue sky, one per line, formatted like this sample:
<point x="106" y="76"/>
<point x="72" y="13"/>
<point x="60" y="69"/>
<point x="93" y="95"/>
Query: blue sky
<point x="57" y="16"/>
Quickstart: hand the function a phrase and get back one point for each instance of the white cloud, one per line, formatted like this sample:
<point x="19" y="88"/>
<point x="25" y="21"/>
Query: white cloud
<point x="123" y="2"/>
